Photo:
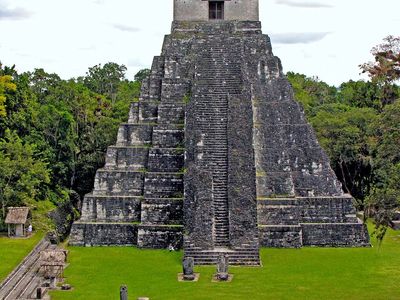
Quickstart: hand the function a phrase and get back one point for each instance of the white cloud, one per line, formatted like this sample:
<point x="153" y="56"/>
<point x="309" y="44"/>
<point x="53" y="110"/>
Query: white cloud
<point x="137" y="63"/>
<point x="304" y="4"/>
<point x="17" y="13"/>
<point x="298" y="38"/>
<point x="126" y="28"/>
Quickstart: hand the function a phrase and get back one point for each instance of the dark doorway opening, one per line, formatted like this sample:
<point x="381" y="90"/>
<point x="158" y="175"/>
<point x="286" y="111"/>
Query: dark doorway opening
<point x="216" y="10"/>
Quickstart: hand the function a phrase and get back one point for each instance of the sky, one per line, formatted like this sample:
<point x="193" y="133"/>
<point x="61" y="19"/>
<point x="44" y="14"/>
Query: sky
<point x="327" y="39"/>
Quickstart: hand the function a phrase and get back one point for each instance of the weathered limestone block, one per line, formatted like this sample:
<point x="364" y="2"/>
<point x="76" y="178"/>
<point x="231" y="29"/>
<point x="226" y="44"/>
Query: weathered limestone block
<point x="163" y="185"/>
<point x="148" y="111"/>
<point x="103" y="234"/>
<point x="242" y="192"/>
<point x="293" y="211"/>
<point x="171" y="113"/>
<point x="335" y="235"/>
<point x="198" y="201"/>
<point x="159" y="237"/>
<point x="145" y="90"/>
<point x="278" y="113"/>
<point x="175" y="68"/>
<point x="155" y="87"/>
<point x="132" y="158"/>
<point x="174" y="90"/>
<point x="134" y="113"/>
<point x="307" y="184"/>
<point x="166" y="160"/>
<point x="273" y="184"/>
<point x="328" y="210"/>
<point x="286" y="136"/>
<point x="111" y="209"/>
<point x="272" y="161"/>
<point x="171" y="136"/>
<point x="118" y="183"/>
<point x="278" y="212"/>
<point x="134" y="134"/>
<point x="281" y="236"/>
<point x="162" y="211"/>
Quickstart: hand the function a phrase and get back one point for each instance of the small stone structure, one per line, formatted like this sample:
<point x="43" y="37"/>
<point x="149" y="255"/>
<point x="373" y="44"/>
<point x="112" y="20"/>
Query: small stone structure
<point x="123" y="293"/>
<point x="52" y="264"/>
<point x="217" y="156"/>
<point x="17" y="220"/>
<point x="188" y="265"/>
<point x="188" y="270"/>
<point x="229" y="10"/>
<point x="222" y="268"/>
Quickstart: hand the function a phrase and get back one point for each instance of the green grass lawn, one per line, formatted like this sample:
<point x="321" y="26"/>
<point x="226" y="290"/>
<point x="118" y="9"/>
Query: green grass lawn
<point x="13" y="251"/>
<point x="308" y="273"/>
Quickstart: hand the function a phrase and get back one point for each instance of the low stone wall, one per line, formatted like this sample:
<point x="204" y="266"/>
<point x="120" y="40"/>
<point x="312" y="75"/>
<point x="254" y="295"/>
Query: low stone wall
<point x="162" y="211"/>
<point x="280" y="236"/>
<point x="103" y="234"/>
<point x="111" y="209"/>
<point x="335" y="235"/>
<point x="159" y="237"/>
<point x="293" y="211"/>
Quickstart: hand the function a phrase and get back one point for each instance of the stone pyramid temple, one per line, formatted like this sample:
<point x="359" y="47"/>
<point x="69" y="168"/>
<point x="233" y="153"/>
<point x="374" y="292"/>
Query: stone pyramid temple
<point x="217" y="156"/>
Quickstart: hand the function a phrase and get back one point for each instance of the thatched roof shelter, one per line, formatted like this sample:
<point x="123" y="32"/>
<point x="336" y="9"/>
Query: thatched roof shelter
<point x="17" y="215"/>
<point x="53" y="257"/>
<point x="52" y="262"/>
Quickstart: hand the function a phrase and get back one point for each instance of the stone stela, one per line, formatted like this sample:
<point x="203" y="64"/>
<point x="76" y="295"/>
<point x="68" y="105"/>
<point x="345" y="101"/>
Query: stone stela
<point x="222" y="268"/>
<point x="188" y="272"/>
<point x="217" y="157"/>
<point x="123" y="292"/>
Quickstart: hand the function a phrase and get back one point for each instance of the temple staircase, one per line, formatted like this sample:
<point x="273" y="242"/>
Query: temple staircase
<point x="218" y="77"/>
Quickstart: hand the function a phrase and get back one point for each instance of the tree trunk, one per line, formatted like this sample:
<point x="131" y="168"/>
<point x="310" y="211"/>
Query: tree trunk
<point x="341" y="162"/>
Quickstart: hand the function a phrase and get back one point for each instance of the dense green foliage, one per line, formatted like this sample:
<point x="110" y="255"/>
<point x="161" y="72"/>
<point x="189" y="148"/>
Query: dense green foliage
<point x="308" y="273"/>
<point x="54" y="132"/>
<point x="358" y="124"/>
<point x="360" y="133"/>
<point x="21" y="175"/>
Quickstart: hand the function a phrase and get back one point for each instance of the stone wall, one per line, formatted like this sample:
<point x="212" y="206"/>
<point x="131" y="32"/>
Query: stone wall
<point x="197" y="10"/>
<point x="335" y="235"/>
<point x="103" y="234"/>
<point x="284" y="236"/>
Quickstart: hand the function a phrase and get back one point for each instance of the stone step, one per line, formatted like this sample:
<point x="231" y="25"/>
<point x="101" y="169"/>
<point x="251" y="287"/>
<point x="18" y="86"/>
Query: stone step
<point x="134" y="134"/>
<point x="118" y="183"/>
<point x="123" y="157"/>
<point x="234" y="259"/>
<point x="111" y="208"/>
